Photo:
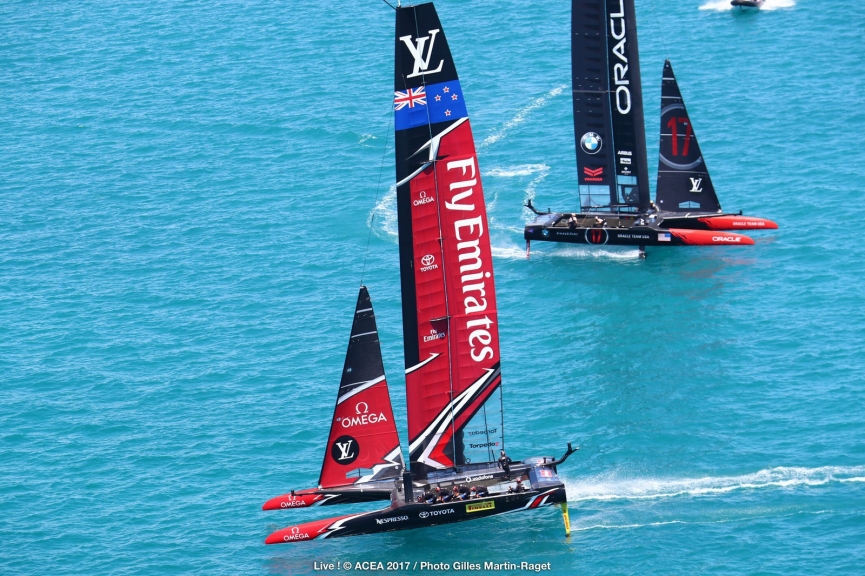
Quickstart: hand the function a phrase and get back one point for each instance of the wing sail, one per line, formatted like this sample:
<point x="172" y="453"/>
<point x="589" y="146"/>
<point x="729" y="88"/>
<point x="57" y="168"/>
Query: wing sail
<point x="609" y="126"/>
<point x="450" y="321"/>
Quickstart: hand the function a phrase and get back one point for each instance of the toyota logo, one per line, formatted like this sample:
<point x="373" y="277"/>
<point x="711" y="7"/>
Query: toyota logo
<point x="427" y="260"/>
<point x="424" y="514"/>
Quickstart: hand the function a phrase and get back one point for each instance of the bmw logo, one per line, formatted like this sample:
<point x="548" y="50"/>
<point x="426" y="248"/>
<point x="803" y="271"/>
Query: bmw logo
<point x="591" y="143"/>
<point x="545" y="232"/>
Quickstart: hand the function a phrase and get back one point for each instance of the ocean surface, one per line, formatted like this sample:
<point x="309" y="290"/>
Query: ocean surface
<point x="192" y="192"/>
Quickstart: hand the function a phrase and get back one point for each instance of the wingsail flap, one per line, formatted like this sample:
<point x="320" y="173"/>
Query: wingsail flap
<point x="450" y="322"/>
<point x="684" y="184"/>
<point x="363" y="444"/>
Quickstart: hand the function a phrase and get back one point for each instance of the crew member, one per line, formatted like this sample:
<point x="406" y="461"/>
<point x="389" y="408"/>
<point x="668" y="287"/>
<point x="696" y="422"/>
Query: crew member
<point x="506" y="464"/>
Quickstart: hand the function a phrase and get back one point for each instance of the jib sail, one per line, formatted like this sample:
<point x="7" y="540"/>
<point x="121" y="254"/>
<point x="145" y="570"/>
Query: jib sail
<point x="450" y="324"/>
<point x="684" y="184"/>
<point x="363" y="444"/>
<point x="608" y="106"/>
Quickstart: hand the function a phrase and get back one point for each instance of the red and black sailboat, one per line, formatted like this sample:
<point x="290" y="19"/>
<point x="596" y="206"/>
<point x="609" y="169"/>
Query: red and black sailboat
<point x="613" y="176"/>
<point x="450" y="330"/>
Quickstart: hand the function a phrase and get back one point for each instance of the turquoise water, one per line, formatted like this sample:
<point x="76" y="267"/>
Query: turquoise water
<point x="186" y="195"/>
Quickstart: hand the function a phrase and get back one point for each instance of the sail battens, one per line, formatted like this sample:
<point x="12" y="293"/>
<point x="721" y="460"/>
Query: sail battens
<point x="364" y="310"/>
<point x="412" y="175"/>
<point x="358" y="388"/>
<point x="422" y="364"/>
<point x="364" y="334"/>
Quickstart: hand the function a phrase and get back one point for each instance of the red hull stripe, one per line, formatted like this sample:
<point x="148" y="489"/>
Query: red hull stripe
<point x="315" y="530"/>
<point x="710" y="238"/>
<point x="738" y="223"/>
<point x="297" y="500"/>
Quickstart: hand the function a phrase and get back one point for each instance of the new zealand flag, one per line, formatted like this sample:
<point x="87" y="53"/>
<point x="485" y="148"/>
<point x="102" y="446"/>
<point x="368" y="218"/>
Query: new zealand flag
<point x="428" y="104"/>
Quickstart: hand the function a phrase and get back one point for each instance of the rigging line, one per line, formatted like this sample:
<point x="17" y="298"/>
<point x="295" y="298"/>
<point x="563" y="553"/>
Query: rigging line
<point x="377" y="192"/>
<point x="389" y="4"/>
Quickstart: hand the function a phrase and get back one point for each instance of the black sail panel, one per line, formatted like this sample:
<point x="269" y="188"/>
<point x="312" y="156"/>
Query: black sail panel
<point x="684" y="184"/>
<point x="626" y="104"/>
<point x="593" y="128"/>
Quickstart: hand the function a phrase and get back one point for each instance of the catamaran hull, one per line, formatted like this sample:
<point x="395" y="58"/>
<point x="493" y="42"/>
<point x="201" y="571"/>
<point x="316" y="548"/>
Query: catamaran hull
<point x="717" y="223"/>
<point x="411" y="516"/>
<point x="635" y="236"/>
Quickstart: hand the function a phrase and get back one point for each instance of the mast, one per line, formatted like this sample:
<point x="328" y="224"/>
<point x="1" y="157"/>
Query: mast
<point x="684" y="184"/>
<point x="450" y="324"/>
<point x="608" y="106"/>
<point x="363" y="444"/>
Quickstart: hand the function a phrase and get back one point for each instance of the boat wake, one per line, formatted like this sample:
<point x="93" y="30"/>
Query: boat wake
<point x="383" y="217"/>
<point x="521" y="116"/>
<point x="722" y="5"/>
<point x="647" y="489"/>
<point x="540" y="171"/>
<point x="581" y="527"/>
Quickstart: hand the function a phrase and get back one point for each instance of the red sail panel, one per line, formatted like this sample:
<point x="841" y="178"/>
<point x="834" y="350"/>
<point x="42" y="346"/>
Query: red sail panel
<point x="456" y="309"/>
<point x="362" y="438"/>
<point x="428" y="387"/>
<point x="471" y="293"/>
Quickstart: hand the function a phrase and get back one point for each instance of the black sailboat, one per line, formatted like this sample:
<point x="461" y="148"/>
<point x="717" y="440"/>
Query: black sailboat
<point x="609" y="128"/>
<point x="747" y="4"/>
<point x="457" y="468"/>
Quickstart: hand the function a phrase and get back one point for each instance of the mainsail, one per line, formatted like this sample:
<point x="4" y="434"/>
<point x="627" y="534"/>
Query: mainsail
<point x="608" y="106"/>
<point x="450" y="324"/>
<point x="363" y="445"/>
<point x="684" y="184"/>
